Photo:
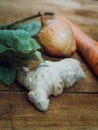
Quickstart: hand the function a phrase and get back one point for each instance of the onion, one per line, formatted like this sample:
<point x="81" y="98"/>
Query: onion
<point x="56" y="37"/>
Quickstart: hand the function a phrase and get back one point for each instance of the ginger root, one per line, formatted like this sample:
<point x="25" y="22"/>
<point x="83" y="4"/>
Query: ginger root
<point x="49" y="79"/>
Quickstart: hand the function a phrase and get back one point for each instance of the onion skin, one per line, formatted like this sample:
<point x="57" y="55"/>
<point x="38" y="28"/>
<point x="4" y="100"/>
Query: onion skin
<point x="56" y="38"/>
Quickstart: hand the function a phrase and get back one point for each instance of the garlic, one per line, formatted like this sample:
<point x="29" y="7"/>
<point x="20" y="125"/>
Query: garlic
<point x="49" y="80"/>
<point x="56" y="37"/>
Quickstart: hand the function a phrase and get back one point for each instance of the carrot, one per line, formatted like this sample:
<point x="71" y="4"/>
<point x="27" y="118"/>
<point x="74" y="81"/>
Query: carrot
<point x="85" y="45"/>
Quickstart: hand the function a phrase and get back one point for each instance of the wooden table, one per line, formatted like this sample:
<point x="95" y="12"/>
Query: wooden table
<point x="77" y="107"/>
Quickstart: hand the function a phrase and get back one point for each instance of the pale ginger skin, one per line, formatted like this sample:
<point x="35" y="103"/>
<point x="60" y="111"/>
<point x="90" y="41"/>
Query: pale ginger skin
<point x="49" y="79"/>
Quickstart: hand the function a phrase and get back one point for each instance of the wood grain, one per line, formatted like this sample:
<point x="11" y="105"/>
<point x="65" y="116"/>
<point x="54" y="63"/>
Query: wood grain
<point x="66" y="112"/>
<point x="77" y="107"/>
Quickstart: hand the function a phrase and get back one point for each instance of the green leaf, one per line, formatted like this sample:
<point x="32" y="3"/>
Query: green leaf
<point x="32" y="28"/>
<point x="34" y="44"/>
<point x="7" y="73"/>
<point x="3" y="48"/>
<point x="38" y="54"/>
<point x="16" y="40"/>
<point x="17" y="47"/>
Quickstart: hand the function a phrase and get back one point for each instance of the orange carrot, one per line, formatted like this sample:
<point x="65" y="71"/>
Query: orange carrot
<point x="85" y="45"/>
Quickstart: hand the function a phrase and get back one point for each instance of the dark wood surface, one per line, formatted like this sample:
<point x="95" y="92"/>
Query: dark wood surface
<point x="77" y="107"/>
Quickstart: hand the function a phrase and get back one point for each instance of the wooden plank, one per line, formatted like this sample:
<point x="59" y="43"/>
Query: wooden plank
<point x="66" y="112"/>
<point x="5" y="122"/>
<point x="74" y="9"/>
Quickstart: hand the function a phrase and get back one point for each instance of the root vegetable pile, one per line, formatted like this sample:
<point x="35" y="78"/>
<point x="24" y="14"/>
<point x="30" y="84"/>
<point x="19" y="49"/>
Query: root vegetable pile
<point x="59" y="38"/>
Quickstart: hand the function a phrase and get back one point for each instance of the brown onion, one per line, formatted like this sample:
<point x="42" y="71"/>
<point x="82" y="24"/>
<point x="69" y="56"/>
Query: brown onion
<point x="56" y="37"/>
